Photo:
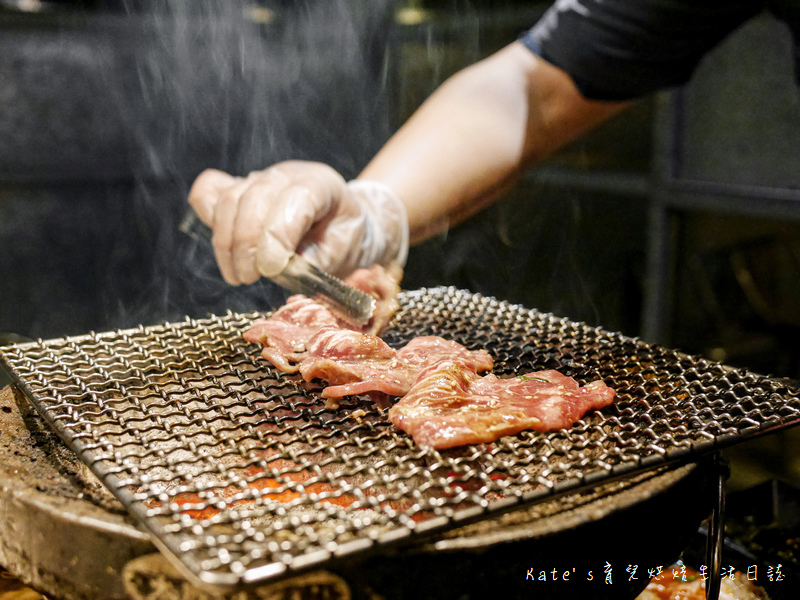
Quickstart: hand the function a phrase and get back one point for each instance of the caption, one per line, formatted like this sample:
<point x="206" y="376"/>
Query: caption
<point x="632" y="573"/>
